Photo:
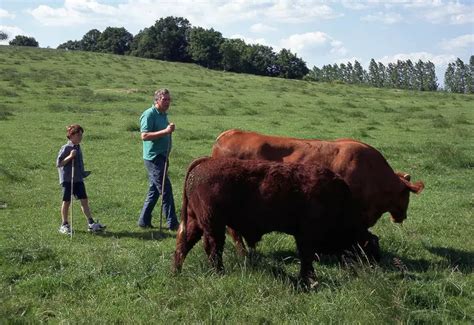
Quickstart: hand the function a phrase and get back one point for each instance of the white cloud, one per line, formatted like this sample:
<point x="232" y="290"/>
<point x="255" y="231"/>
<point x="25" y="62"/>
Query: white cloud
<point x="386" y="18"/>
<point x="438" y="60"/>
<point x="6" y="14"/>
<point x="452" y="13"/>
<point x="75" y="12"/>
<point x="460" y="42"/>
<point x="262" y="28"/>
<point x="11" y="31"/>
<point x="351" y="60"/>
<point x="200" y="13"/>
<point x="305" y="43"/>
<point x="432" y="11"/>
<point x="250" y="40"/>
<point x="298" y="11"/>
<point x="354" y="4"/>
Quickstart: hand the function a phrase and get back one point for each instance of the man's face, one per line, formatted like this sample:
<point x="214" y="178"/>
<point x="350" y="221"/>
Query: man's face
<point x="163" y="103"/>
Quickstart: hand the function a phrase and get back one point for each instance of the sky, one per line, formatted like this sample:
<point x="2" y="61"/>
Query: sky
<point x="318" y="31"/>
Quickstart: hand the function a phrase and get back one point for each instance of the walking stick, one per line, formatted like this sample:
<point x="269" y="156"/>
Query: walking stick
<point x="72" y="189"/>
<point x="163" y="182"/>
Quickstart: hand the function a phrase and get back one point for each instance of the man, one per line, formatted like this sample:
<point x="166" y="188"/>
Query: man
<point x="156" y="135"/>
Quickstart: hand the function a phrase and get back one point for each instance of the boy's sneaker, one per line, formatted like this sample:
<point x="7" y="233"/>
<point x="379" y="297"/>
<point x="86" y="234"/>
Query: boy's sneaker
<point x="65" y="229"/>
<point x="96" y="227"/>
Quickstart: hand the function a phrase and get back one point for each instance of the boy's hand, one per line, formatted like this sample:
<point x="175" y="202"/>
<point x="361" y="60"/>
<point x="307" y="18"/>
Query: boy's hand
<point x="72" y="154"/>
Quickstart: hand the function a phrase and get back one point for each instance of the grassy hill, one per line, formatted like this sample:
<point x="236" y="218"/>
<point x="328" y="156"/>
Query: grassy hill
<point x="124" y="275"/>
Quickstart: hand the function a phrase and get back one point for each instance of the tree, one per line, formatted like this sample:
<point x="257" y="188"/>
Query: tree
<point x="165" y="40"/>
<point x="290" y="66"/>
<point x="90" y="39"/>
<point x="204" y="47"/>
<point x="419" y="77"/>
<point x="374" y="78"/>
<point x="21" y="40"/>
<point x="3" y="36"/>
<point x="449" y="78"/>
<point x="143" y="45"/>
<point x="314" y="75"/>
<point x="232" y="52"/>
<point x="470" y="76"/>
<point x="359" y="73"/>
<point x="431" y="81"/>
<point x="459" y="76"/>
<point x="382" y="74"/>
<point x="393" y="76"/>
<point x="116" y="40"/>
<point x="409" y="73"/>
<point x="326" y="73"/>
<point x="70" y="45"/>
<point x="348" y="71"/>
<point x="261" y="60"/>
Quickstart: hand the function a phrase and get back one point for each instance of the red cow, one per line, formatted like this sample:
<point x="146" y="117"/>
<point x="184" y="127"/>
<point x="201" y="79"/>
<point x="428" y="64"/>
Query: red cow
<point x="371" y="179"/>
<point x="257" y="197"/>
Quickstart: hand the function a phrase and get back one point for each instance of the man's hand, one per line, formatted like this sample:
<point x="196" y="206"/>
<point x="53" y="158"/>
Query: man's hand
<point x="170" y="128"/>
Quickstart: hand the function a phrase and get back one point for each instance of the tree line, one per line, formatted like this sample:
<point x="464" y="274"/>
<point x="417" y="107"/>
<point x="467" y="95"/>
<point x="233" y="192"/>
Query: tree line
<point x="459" y="77"/>
<point x="401" y="75"/>
<point x="174" y="39"/>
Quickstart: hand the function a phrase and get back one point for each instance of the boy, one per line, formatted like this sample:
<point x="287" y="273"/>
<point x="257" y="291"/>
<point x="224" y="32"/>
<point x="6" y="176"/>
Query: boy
<point x="71" y="152"/>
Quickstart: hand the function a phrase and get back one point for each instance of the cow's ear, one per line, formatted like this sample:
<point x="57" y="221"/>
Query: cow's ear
<point x="404" y="176"/>
<point x="415" y="187"/>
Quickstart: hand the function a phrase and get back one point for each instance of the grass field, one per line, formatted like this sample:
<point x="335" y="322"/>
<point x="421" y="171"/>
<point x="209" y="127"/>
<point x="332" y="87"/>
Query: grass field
<point x="124" y="275"/>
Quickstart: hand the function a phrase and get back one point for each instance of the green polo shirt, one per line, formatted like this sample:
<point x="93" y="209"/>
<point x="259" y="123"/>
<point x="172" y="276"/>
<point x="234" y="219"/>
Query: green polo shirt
<point x="152" y="120"/>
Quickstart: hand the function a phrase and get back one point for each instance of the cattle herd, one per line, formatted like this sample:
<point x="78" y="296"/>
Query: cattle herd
<point x="327" y="194"/>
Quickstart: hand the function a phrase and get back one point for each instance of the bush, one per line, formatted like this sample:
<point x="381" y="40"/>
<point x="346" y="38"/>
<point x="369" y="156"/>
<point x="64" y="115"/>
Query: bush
<point x="21" y="40"/>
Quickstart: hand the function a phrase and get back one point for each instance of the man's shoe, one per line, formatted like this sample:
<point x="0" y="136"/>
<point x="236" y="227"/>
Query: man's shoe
<point x="150" y="226"/>
<point x="174" y="228"/>
<point x="96" y="227"/>
<point x="65" y="229"/>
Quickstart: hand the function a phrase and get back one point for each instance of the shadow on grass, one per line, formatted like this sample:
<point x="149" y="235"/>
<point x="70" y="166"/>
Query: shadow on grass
<point x="261" y="262"/>
<point x="406" y="267"/>
<point x="274" y="264"/>
<point x="140" y="234"/>
<point x="456" y="259"/>
<point x="463" y="260"/>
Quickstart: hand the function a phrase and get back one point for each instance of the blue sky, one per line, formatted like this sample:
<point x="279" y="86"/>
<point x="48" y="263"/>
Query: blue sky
<point x="319" y="31"/>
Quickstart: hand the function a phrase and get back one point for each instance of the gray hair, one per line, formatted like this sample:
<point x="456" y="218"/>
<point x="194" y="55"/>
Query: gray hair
<point x="160" y="93"/>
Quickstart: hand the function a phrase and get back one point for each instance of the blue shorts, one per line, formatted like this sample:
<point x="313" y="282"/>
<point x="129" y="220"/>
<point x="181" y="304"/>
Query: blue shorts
<point x="79" y="191"/>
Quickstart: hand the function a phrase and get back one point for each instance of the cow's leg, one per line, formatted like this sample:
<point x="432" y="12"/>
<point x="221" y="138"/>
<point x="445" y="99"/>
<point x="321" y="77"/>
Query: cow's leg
<point x="214" y="246"/>
<point x="370" y="246"/>
<point x="185" y="240"/>
<point x="306" y="254"/>
<point x="238" y="241"/>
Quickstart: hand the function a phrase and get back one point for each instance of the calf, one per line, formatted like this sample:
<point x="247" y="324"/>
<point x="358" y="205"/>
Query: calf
<point x="257" y="197"/>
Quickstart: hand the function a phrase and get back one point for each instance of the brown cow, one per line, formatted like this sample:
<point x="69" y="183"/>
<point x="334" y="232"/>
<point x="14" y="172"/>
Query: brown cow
<point x="371" y="179"/>
<point x="257" y="197"/>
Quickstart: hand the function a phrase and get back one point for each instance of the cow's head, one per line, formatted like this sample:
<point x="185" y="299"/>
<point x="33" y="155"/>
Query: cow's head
<point x="400" y="206"/>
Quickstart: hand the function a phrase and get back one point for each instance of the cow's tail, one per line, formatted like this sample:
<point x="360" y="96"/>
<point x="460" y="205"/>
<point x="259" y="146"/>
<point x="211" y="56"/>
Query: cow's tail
<point x="181" y="237"/>
<point x="184" y="207"/>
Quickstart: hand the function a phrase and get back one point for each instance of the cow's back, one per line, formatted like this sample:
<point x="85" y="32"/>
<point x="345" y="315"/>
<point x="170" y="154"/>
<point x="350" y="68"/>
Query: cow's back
<point x="363" y="168"/>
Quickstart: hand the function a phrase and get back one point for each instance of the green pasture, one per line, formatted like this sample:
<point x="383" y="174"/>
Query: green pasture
<point x="124" y="276"/>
